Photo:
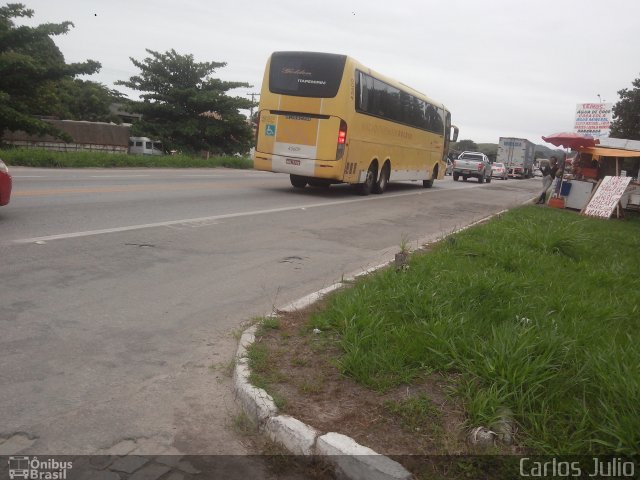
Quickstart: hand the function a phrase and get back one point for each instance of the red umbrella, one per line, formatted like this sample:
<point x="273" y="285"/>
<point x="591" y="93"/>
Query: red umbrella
<point x="571" y="140"/>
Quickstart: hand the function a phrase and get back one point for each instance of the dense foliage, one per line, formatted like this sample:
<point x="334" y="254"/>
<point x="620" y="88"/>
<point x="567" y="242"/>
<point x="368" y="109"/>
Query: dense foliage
<point x="626" y="122"/>
<point x="465" y="146"/>
<point x="33" y="73"/>
<point x="187" y="109"/>
<point x="77" y="99"/>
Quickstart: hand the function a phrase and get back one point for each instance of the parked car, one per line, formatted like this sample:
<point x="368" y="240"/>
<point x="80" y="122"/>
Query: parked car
<point x="499" y="170"/>
<point x="5" y="184"/>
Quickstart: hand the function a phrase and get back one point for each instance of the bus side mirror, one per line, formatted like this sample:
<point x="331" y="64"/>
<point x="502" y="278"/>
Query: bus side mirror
<point x="454" y="133"/>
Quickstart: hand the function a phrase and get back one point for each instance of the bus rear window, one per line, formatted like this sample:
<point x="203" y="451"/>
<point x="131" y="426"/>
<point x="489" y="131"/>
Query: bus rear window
<point x="306" y="74"/>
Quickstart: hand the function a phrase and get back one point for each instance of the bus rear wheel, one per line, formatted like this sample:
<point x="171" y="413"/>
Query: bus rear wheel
<point x="319" y="183"/>
<point x="381" y="185"/>
<point x="366" y="187"/>
<point x="297" y="181"/>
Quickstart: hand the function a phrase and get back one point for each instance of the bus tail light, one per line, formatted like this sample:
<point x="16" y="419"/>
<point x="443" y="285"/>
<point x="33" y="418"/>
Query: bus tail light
<point x="342" y="139"/>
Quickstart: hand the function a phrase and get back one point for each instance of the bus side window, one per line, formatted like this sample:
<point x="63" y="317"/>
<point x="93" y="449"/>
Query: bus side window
<point x="439" y="121"/>
<point x="365" y="93"/>
<point x="431" y="117"/>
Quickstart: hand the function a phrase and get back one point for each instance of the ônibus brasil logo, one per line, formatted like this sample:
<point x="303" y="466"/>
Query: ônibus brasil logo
<point x="34" y="469"/>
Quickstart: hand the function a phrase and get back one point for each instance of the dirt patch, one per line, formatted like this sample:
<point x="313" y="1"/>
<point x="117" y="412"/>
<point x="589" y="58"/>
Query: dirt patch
<point x="299" y="368"/>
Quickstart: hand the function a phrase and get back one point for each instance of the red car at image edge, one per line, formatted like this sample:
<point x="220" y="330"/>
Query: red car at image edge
<point x="5" y="184"/>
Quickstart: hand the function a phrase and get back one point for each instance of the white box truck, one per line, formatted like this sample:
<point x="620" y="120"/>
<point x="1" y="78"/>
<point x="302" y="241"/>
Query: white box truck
<point x="517" y="154"/>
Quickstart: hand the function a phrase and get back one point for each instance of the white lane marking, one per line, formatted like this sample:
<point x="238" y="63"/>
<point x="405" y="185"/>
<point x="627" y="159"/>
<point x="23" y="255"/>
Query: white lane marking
<point x="28" y="176"/>
<point x="220" y="217"/>
<point x="117" y="176"/>
<point x="203" y="175"/>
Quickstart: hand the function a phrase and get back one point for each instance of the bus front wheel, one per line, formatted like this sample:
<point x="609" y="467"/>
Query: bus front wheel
<point x="297" y="181"/>
<point x="429" y="183"/>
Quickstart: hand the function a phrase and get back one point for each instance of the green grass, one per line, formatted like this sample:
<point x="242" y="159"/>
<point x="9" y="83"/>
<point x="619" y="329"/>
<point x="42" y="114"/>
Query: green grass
<point x="416" y="414"/>
<point x="264" y="372"/>
<point x="536" y="311"/>
<point x="243" y="425"/>
<point x="49" y="159"/>
<point x="268" y="323"/>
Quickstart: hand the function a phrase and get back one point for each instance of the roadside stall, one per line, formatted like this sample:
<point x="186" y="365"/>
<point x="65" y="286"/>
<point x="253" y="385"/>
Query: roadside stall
<point x="598" y="163"/>
<point x="597" y="160"/>
<point x="561" y="190"/>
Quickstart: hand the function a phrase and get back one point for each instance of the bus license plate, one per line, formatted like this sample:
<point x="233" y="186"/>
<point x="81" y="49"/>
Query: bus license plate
<point x="291" y="161"/>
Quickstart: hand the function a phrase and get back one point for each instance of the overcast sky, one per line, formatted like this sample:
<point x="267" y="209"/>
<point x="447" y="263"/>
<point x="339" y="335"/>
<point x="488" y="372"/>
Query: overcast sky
<point x="502" y="67"/>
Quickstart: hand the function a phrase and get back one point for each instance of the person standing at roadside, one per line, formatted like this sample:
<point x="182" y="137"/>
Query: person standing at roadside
<point x="548" y="174"/>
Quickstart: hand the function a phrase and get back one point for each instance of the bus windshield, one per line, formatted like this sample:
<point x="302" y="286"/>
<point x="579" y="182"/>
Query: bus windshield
<point x="305" y="74"/>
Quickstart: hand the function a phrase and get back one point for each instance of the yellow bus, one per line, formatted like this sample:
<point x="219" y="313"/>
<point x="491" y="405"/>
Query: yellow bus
<point x="325" y="118"/>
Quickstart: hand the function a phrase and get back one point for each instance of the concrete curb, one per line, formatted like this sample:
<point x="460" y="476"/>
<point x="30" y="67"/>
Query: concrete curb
<point x="255" y="402"/>
<point x="349" y="458"/>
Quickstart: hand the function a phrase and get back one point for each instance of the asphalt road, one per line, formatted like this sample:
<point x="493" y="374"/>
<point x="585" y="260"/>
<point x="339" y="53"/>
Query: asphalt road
<point x="121" y="291"/>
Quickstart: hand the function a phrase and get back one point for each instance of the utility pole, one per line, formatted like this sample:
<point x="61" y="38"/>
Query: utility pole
<point x="253" y="95"/>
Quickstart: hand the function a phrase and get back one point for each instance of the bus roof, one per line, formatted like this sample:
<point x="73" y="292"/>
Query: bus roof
<point x="391" y="81"/>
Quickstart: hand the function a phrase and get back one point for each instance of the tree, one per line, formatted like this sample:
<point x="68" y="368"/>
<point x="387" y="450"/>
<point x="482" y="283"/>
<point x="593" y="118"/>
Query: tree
<point x="76" y="99"/>
<point x="185" y="108"/>
<point x="489" y="149"/>
<point x="31" y="65"/>
<point x="626" y="122"/>
<point x="465" y="145"/>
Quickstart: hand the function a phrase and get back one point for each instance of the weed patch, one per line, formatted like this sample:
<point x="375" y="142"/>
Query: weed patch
<point x="416" y="414"/>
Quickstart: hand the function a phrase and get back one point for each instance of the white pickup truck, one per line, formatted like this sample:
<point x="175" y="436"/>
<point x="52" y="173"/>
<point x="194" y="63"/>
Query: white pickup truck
<point x="472" y="164"/>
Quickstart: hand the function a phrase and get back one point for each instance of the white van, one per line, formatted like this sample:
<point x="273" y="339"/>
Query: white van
<point x="144" y="146"/>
